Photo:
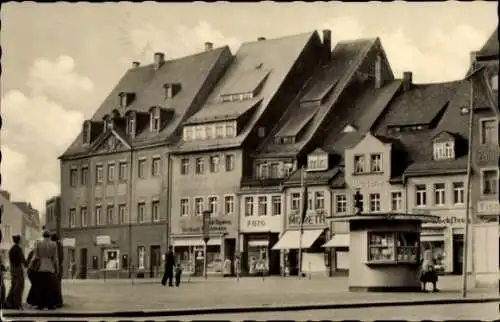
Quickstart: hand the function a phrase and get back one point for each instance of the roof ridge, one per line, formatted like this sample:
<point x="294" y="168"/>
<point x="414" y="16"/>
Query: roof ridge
<point x="357" y="40"/>
<point x="185" y="57"/>
<point x="309" y="33"/>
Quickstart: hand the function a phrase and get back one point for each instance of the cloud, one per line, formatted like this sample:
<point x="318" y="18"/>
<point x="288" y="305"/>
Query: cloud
<point x="443" y="55"/>
<point x="38" y="126"/>
<point x="177" y="42"/>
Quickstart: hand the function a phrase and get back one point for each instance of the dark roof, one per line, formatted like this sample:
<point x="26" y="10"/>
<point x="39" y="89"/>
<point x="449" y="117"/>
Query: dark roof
<point x="294" y="125"/>
<point x="312" y="177"/>
<point x="247" y="81"/>
<point x="491" y="45"/>
<point x="223" y="111"/>
<point x="330" y="79"/>
<point x="275" y="55"/>
<point x="421" y="104"/>
<point x="191" y="72"/>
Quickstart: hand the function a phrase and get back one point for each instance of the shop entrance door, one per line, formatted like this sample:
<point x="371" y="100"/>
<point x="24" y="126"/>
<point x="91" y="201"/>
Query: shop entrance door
<point x="154" y="261"/>
<point x="458" y="251"/>
<point x="83" y="263"/>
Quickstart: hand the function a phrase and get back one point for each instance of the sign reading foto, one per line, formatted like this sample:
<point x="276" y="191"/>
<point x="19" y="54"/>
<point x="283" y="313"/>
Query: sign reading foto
<point x="261" y="224"/>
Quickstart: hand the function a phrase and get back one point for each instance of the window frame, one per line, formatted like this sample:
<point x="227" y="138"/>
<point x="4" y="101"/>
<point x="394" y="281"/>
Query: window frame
<point x="202" y="205"/>
<point x="273" y="204"/>
<point x="213" y="200"/>
<point x="232" y="203"/>
<point x="482" y="121"/>
<point x="249" y="206"/>
<point x="83" y="215"/>
<point x="482" y="172"/>
<point x="262" y="205"/>
<point x="459" y="190"/>
<point x="98" y="215"/>
<point x="199" y="165"/>
<point x="72" y="218"/>
<point x="122" y="170"/>
<point x="295" y="201"/>
<point x="73" y="176"/>
<point x="396" y="199"/>
<point x="99" y="173"/>
<point x="230" y="160"/>
<point x="418" y="192"/>
<point x="84" y="175"/>
<point x="441" y="192"/>
<point x="322" y="198"/>
<point x="184" y="206"/>
<point x="380" y="166"/>
<point x="141" y="168"/>
<point x="375" y="201"/>
<point x="110" y="172"/>
<point x="122" y="216"/>
<point x="185" y="165"/>
<point x="141" y="205"/>
<point x="214" y="166"/>
<point x="343" y="202"/>
<point x="110" y="214"/>
<point x="361" y="160"/>
<point x="155" y="203"/>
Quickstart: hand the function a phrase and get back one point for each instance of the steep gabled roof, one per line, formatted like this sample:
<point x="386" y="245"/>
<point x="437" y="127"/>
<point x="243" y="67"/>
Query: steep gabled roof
<point x="491" y="46"/>
<point x="324" y="87"/>
<point x="191" y="72"/>
<point x="277" y="56"/>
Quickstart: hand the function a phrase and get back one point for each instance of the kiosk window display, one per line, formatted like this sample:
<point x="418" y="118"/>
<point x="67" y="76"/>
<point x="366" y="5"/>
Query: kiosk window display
<point x="393" y="247"/>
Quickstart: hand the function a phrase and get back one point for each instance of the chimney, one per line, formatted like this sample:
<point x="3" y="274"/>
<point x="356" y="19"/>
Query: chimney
<point x="159" y="59"/>
<point x="135" y="64"/>
<point x="407" y="81"/>
<point x="261" y="38"/>
<point x="209" y="46"/>
<point x="327" y="42"/>
<point x="5" y="194"/>
<point x="378" y="72"/>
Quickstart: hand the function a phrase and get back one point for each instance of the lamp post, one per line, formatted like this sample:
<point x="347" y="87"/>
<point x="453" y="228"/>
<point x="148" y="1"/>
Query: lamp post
<point x="206" y="238"/>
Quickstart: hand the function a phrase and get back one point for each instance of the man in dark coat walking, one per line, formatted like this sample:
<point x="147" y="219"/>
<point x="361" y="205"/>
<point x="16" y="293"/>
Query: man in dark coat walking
<point x="60" y="254"/>
<point x="169" y="267"/>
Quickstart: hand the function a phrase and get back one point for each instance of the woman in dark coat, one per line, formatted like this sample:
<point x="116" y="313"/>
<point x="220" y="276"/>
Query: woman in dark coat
<point x="17" y="265"/>
<point x="60" y="252"/>
<point x="31" y="300"/>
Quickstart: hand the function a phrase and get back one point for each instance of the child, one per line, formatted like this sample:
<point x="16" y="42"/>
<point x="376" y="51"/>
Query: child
<point x="178" y="273"/>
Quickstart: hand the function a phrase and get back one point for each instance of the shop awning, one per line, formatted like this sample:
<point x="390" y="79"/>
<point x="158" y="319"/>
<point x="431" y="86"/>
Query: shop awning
<point x="257" y="243"/>
<point x="291" y="239"/>
<point x="184" y="242"/>
<point x="431" y="238"/>
<point x="338" y="240"/>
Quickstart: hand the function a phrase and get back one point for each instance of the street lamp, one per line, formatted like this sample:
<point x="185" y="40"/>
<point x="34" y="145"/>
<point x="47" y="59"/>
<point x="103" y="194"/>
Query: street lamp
<point x="206" y="238"/>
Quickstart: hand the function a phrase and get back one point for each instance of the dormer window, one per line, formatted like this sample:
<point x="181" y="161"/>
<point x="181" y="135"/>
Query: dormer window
<point x="444" y="150"/>
<point x="123" y="100"/>
<point x="154" y="115"/>
<point x="171" y="89"/>
<point x="86" y="132"/>
<point x="494" y="82"/>
<point x="349" y="129"/>
<point x="131" y="124"/>
<point x="107" y="123"/>
<point x="317" y="162"/>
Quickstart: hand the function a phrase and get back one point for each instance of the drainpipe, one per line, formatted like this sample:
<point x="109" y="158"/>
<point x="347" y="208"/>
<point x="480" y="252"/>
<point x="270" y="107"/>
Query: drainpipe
<point x="168" y="201"/>
<point x="129" y="210"/>
<point x="238" y="223"/>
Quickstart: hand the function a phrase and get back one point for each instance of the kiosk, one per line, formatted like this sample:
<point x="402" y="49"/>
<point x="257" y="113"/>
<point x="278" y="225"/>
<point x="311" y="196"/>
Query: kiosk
<point x="384" y="251"/>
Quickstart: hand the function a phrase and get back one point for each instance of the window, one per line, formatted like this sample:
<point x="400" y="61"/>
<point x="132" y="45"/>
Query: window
<point x="72" y="217"/>
<point x="229" y="162"/>
<point x="131" y="125"/>
<point x="122" y="214"/>
<point x="111" y="172"/>
<point x="319" y="200"/>
<point x="420" y="195"/>
<point x="109" y="215"/>
<point x="489" y="132"/>
<point x="155" y="167"/>
<point x="276" y="205"/>
<point x="124" y="261"/>
<point x="340" y="204"/>
<point x="230" y="131"/>
<point x="489" y="182"/>
<point x="376" y="163"/>
<point x="98" y="174"/>
<point x="287" y="169"/>
<point x="188" y="133"/>
<point x="141" y="257"/>
<point x="275" y="170"/>
<point x="184" y="206"/>
<point x="199" y="132"/>
<point x="396" y="201"/>
<point x="262" y="206"/>
<point x="263" y="170"/>
<point x="141" y="212"/>
<point x="84" y="175"/>
<point x="261" y="132"/>
<point x="361" y="203"/>
<point x="155" y="119"/>
<point x="393" y="247"/>
<point x="98" y="215"/>
<point x="458" y="193"/>
<point x="317" y="162"/>
<point x="83" y="216"/>
<point x="494" y="82"/>
<point x="219" y="130"/>
<point x="184" y="166"/>
<point x="374" y="202"/>
<point x="209" y="132"/>
<point x="212" y="205"/>
<point x="214" y="163"/>
<point x="86" y="133"/>
<point x="73" y="177"/>
<point x="122" y="171"/>
<point x="200" y="166"/>
<point x="198" y="206"/>
<point x="228" y="205"/>
<point x="141" y="168"/>
<point x="295" y="201"/>
<point x="155" y="210"/>
<point x="444" y="150"/>
<point x="359" y="163"/>
<point x="439" y="194"/>
<point x="248" y="206"/>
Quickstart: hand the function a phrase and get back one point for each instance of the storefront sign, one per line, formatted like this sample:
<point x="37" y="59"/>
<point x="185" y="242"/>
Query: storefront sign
<point x="216" y="226"/>
<point x="102" y="240"/>
<point x="486" y="156"/>
<point x="314" y="219"/>
<point x="488" y="207"/>
<point x="69" y="242"/>
<point x="445" y="220"/>
<point x="261" y="224"/>
<point x="358" y="183"/>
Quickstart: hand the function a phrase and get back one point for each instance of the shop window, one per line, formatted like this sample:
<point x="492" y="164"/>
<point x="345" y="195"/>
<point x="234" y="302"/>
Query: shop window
<point x="141" y="256"/>
<point x="111" y="259"/>
<point x="387" y="247"/>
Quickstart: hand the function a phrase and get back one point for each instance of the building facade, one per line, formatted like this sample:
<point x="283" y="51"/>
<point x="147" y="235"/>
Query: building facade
<point x="115" y="175"/>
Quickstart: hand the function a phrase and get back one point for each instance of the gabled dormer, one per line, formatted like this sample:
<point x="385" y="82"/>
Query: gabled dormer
<point x="444" y="146"/>
<point x="131" y="123"/>
<point x="171" y="90"/>
<point x="90" y="130"/>
<point x="158" y="117"/>
<point x="126" y="99"/>
<point x="294" y="128"/>
<point x="349" y="129"/>
<point x="317" y="160"/>
<point x="247" y="86"/>
<point x="108" y="123"/>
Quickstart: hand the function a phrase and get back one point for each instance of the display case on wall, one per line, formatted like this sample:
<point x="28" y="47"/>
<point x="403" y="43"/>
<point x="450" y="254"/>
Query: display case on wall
<point x="393" y="247"/>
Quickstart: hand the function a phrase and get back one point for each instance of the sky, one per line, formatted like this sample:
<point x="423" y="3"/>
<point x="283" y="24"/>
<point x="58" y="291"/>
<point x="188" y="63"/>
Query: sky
<point x="60" y="60"/>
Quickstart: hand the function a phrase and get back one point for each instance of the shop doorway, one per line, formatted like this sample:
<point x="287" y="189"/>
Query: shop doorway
<point x="154" y="261"/>
<point x="458" y="251"/>
<point x="292" y="262"/>
<point x="83" y="263"/>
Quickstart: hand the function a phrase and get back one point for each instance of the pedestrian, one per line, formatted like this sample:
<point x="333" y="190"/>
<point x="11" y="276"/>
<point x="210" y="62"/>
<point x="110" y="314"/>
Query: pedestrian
<point x="32" y="276"/>
<point x="178" y="273"/>
<point x="237" y="266"/>
<point x="46" y="295"/>
<point x="251" y="270"/>
<point x="427" y="271"/>
<point x="168" y="274"/>
<point x="226" y="267"/>
<point x="17" y="264"/>
<point x="60" y="258"/>
<point x="2" y="283"/>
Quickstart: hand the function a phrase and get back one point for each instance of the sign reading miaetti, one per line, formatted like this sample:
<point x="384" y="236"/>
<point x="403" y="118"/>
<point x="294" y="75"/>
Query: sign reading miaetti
<point x="317" y="219"/>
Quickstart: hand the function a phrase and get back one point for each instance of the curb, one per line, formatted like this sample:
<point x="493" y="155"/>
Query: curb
<point x="232" y="310"/>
